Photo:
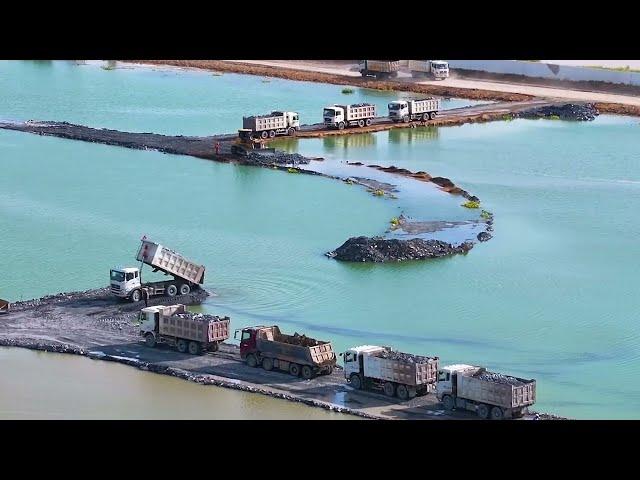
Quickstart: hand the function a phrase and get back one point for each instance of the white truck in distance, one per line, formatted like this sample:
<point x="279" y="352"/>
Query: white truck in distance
<point x="379" y="69"/>
<point x="395" y="373"/>
<point x="405" y="110"/>
<point x="490" y="395"/>
<point x="275" y="123"/>
<point x="437" y="69"/>
<point x="127" y="282"/>
<point x="341" y="116"/>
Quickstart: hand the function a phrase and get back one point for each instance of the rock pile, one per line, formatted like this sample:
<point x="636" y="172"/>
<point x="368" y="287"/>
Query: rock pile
<point x="405" y="357"/>
<point x="568" y="111"/>
<point x="201" y="317"/>
<point x="277" y="158"/>
<point x="483" y="374"/>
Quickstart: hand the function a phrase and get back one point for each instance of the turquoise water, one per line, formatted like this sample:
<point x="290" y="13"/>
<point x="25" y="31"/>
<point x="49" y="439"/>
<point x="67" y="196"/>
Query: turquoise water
<point x="551" y="296"/>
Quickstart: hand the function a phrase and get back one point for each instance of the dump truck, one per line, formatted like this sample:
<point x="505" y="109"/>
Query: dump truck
<point x="272" y="124"/>
<point x="4" y="306"/>
<point x="490" y="395"/>
<point x="341" y="116"/>
<point x="406" y="110"/>
<point x="297" y="354"/>
<point x="437" y="69"/>
<point x="126" y="282"/>
<point x="186" y="331"/>
<point x="379" y="69"/>
<point x="396" y="373"/>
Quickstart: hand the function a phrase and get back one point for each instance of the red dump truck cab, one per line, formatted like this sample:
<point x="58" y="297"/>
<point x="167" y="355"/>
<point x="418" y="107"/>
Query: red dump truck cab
<point x="247" y="341"/>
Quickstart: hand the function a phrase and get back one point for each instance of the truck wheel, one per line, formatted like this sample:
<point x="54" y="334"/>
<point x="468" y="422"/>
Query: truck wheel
<point x="425" y="117"/>
<point x="307" y="372"/>
<point x="194" y="348"/>
<point x="403" y="392"/>
<point x="252" y="361"/>
<point x="361" y="123"/>
<point x="215" y="347"/>
<point x="341" y="126"/>
<point x="356" y="381"/>
<point x="405" y="119"/>
<point x="172" y="290"/>
<point x="136" y="296"/>
<point x="264" y="134"/>
<point x="272" y="134"/>
<point x="448" y="403"/>
<point x="150" y="340"/>
<point x="184" y="289"/>
<point x="292" y="132"/>
<point x="328" y="371"/>
<point x="182" y="346"/>
<point x="294" y="369"/>
<point x="367" y="122"/>
<point x="496" y="413"/>
<point x="483" y="411"/>
<point x="432" y="115"/>
<point x="412" y="392"/>
<point x="267" y="364"/>
<point x="389" y="389"/>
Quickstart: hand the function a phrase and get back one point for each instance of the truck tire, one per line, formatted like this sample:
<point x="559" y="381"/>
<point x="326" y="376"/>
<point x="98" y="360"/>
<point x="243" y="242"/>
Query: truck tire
<point x="294" y="369"/>
<point x="150" y="340"/>
<point x="307" y="372"/>
<point x="182" y="345"/>
<point x="292" y="132"/>
<point x="252" y="361"/>
<point x="172" y="290"/>
<point x="432" y="115"/>
<point x="194" y="348"/>
<point x="367" y="122"/>
<point x="412" y="392"/>
<point x="341" y="126"/>
<point x="272" y="133"/>
<point x="394" y="75"/>
<point x="483" y="411"/>
<point x="356" y="381"/>
<point x="448" y="403"/>
<point x="425" y="117"/>
<point x="215" y="346"/>
<point x="328" y="371"/>
<point x="267" y="364"/>
<point x="405" y="119"/>
<point x="361" y="123"/>
<point x="185" y="289"/>
<point x="136" y="295"/>
<point x="403" y="392"/>
<point x="264" y="134"/>
<point x="497" y="413"/>
<point x="389" y="389"/>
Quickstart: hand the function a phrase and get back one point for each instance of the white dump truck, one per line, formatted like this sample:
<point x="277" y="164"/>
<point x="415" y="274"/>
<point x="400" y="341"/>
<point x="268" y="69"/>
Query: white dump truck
<point x="437" y="69"/>
<point x="275" y="123"/>
<point x="396" y="373"/>
<point x="126" y="282"/>
<point x="341" y="116"/>
<point x="406" y="110"/>
<point x="380" y="69"/>
<point x="490" y="395"/>
<point x="174" y="325"/>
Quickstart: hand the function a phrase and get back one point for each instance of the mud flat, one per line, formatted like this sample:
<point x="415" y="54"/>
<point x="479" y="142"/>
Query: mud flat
<point x="97" y="325"/>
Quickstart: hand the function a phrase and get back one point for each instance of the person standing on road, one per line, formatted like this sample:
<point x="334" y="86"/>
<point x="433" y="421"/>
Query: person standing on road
<point x="217" y="148"/>
<point x="145" y="295"/>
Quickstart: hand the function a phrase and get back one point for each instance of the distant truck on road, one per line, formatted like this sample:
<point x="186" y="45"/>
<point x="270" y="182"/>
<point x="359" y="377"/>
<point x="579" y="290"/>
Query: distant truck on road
<point x="490" y="395"/>
<point x="395" y="373"/>
<point x="341" y="116"/>
<point x="297" y="354"/>
<point x="275" y="123"/>
<point x="126" y="282"/>
<point x="437" y="69"/>
<point x="174" y="325"/>
<point x="406" y="110"/>
<point x="380" y="69"/>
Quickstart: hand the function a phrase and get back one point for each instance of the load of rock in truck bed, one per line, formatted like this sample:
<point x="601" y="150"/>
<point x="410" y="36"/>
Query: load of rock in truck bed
<point x="405" y="357"/>
<point x="201" y="317"/>
<point x="487" y="376"/>
<point x="297" y="339"/>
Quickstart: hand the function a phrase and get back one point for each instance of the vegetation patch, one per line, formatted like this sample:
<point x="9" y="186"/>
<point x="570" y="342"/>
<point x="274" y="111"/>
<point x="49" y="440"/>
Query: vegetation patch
<point x="471" y="204"/>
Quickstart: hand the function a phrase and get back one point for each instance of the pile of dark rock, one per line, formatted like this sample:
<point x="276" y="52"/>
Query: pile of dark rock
<point x="484" y="375"/>
<point x="568" y="111"/>
<point x="378" y="249"/>
<point x="277" y="158"/>
<point x="201" y="317"/>
<point x="404" y="357"/>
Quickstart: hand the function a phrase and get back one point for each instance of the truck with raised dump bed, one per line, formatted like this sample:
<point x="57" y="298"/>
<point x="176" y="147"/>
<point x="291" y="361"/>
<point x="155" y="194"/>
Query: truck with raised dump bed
<point x="395" y="373"/>
<point x="126" y="282"/>
<point x="380" y="69"/>
<point x="272" y="124"/>
<point x="297" y="354"/>
<point x="341" y="116"/>
<point x="437" y="69"/>
<point x="174" y="325"/>
<point x="490" y="395"/>
<point x="406" y="110"/>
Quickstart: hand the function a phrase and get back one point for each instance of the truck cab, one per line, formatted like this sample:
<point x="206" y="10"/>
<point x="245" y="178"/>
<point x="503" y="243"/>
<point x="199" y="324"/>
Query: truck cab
<point x="440" y="69"/>
<point x="124" y="280"/>
<point x="398" y="110"/>
<point x="333" y="115"/>
<point x="247" y="340"/>
<point x="448" y="379"/>
<point x="354" y="358"/>
<point x="293" y="119"/>
<point x="149" y="320"/>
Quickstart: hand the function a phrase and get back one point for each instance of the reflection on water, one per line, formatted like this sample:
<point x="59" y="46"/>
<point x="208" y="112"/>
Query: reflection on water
<point x="343" y="142"/>
<point x="409" y="135"/>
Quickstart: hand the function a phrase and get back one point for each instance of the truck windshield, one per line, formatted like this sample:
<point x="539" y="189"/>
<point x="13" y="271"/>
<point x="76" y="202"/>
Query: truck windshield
<point x="117" y="276"/>
<point x="329" y="112"/>
<point x="394" y="106"/>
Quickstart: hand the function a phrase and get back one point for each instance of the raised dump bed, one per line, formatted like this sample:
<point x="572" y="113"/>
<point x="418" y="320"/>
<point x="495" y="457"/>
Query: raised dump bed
<point x="4" y="306"/>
